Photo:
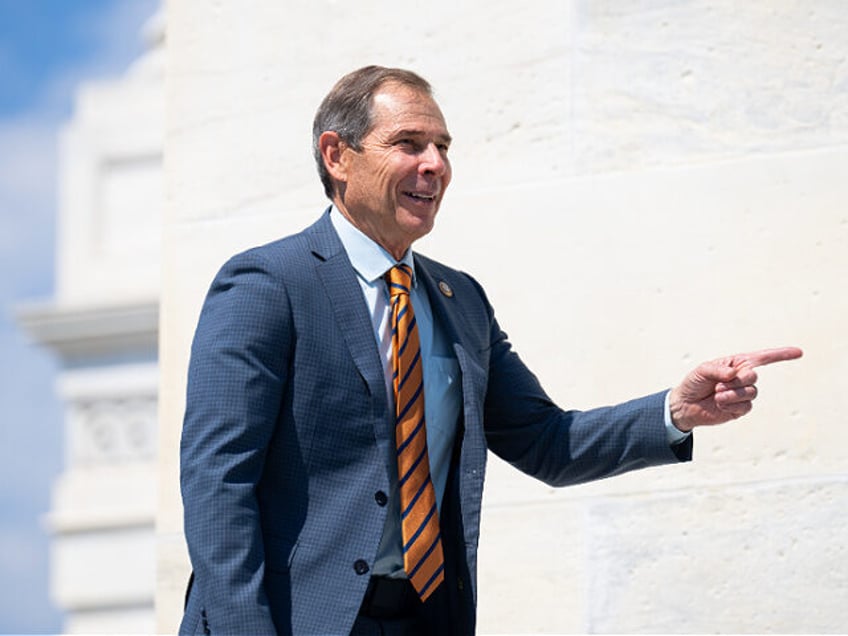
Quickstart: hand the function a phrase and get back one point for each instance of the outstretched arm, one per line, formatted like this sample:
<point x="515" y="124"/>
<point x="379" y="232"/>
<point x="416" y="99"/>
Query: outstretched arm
<point x="722" y="390"/>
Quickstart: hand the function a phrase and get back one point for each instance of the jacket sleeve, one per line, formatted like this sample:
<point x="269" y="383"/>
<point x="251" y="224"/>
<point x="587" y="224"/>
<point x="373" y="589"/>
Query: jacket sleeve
<point x="564" y="447"/>
<point x="237" y="374"/>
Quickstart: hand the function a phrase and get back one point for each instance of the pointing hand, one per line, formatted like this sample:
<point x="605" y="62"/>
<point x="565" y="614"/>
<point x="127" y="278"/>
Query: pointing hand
<point x="722" y="390"/>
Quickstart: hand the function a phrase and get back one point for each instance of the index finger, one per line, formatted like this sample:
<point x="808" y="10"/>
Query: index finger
<point x="768" y="356"/>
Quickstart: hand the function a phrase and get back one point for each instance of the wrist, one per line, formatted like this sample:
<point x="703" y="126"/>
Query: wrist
<point x="677" y="412"/>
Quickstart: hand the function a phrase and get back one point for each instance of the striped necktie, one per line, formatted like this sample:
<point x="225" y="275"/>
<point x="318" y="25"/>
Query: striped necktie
<point x="423" y="559"/>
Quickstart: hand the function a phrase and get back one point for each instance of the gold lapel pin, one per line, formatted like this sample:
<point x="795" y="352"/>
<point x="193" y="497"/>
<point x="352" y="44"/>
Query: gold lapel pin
<point x="445" y="289"/>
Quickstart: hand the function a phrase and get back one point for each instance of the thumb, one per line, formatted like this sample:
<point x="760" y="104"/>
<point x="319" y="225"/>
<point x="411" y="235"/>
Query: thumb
<point x="716" y="371"/>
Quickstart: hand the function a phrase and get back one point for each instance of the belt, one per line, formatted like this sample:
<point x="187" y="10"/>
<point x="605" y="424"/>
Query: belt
<point x="388" y="598"/>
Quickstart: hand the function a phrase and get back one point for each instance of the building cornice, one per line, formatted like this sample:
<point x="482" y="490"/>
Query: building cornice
<point x="85" y="331"/>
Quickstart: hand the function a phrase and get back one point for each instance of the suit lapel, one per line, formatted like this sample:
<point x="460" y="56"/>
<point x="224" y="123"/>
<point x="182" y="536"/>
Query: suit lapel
<point x="349" y="309"/>
<point x="447" y="310"/>
<point x="443" y="307"/>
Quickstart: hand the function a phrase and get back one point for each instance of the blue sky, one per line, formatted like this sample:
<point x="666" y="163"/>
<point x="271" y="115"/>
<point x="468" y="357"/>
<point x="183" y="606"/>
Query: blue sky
<point x="47" y="47"/>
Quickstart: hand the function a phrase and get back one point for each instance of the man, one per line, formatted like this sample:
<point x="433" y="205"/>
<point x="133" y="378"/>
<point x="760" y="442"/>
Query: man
<point x="343" y="393"/>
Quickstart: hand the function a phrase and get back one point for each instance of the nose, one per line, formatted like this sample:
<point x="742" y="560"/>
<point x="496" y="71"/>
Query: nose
<point x="433" y="161"/>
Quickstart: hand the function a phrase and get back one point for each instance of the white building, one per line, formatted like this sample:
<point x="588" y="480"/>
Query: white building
<point x="103" y="326"/>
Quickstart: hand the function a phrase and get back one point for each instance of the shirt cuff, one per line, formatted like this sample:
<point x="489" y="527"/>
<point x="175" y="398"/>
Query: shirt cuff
<point x="673" y="434"/>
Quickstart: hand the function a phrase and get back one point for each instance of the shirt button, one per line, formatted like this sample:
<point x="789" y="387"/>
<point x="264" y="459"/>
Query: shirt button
<point x="381" y="498"/>
<point x="360" y="566"/>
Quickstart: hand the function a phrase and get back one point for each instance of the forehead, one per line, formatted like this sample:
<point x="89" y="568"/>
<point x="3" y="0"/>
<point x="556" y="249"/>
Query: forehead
<point x="398" y="107"/>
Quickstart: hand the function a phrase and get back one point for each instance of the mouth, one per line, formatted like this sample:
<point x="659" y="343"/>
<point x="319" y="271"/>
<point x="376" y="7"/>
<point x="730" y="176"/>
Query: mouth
<point x="421" y="196"/>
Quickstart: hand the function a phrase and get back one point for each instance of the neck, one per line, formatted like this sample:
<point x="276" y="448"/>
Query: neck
<point x="396" y="248"/>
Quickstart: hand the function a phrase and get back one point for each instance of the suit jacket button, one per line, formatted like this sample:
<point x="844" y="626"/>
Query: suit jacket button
<point x="381" y="498"/>
<point x="360" y="566"/>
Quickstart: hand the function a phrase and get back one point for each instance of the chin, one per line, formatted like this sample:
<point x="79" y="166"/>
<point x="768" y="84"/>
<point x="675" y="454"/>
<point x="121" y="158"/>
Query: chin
<point x="417" y="226"/>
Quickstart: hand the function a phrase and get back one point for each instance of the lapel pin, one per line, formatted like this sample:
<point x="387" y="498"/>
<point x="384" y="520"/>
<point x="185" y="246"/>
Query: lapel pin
<point x="445" y="289"/>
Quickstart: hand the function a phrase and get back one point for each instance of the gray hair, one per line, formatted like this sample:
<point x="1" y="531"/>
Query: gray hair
<point x="347" y="108"/>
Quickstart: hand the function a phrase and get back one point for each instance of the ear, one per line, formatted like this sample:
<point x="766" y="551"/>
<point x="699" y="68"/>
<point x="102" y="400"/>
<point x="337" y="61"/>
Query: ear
<point x="333" y="153"/>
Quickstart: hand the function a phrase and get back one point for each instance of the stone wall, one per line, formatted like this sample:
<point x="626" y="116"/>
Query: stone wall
<point x="677" y="170"/>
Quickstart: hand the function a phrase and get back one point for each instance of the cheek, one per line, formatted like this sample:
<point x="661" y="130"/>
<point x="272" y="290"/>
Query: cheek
<point x="446" y="178"/>
<point x="385" y="180"/>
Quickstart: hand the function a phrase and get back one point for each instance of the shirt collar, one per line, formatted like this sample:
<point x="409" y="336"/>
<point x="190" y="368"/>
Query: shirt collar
<point x="369" y="260"/>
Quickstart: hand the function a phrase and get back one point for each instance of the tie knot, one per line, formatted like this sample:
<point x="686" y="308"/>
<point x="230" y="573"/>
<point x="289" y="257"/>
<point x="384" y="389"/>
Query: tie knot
<point x="399" y="280"/>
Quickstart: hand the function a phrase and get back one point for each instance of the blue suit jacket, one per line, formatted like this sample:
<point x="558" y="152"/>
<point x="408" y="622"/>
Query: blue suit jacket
<point x="288" y="434"/>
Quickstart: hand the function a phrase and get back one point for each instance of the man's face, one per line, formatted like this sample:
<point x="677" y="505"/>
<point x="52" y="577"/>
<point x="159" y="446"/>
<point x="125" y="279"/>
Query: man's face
<point x="394" y="185"/>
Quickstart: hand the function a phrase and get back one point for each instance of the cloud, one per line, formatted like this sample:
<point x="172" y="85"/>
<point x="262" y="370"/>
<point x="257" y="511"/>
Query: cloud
<point x="111" y="28"/>
<point x="27" y="206"/>
<point x="116" y="40"/>
<point x="27" y="156"/>
<point x="28" y="184"/>
<point x="20" y="556"/>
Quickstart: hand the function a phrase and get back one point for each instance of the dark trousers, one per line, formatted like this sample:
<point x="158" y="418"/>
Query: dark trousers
<point x="391" y="607"/>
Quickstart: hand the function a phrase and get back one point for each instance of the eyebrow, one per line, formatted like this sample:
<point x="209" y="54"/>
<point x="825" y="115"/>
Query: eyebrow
<point x="412" y="132"/>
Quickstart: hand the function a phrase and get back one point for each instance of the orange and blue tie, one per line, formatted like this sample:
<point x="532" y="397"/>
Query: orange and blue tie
<point x="423" y="558"/>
